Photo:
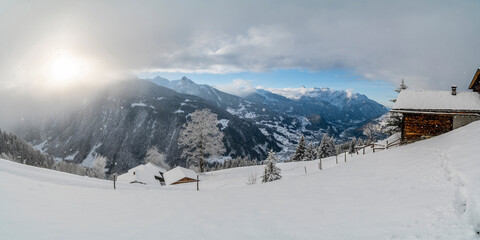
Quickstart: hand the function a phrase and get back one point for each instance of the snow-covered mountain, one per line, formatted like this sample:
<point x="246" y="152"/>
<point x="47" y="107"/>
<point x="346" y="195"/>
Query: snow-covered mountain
<point x="125" y="120"/>
<point x="317" y="111"/>
<point x="129" y="117"/>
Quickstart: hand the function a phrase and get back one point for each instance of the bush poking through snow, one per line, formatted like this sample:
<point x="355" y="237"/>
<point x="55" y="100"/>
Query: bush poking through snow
<point x="252" y="178"/>
<point x="272" y="172"/>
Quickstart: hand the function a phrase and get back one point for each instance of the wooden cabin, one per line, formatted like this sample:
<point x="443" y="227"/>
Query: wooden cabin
<point x="428" y="113"/>
<point x="180" y="175"/>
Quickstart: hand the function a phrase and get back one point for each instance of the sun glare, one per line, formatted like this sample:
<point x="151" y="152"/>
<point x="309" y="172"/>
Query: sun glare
<point x="66" y="68"/>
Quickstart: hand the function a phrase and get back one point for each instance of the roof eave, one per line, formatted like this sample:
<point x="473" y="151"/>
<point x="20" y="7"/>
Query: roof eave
<point x="439" y="111"/>
<point x="475" y="79"/>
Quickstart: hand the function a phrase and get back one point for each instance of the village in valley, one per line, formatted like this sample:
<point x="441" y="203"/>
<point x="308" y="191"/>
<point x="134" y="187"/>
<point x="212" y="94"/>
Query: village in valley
<point x="239" y="120"/>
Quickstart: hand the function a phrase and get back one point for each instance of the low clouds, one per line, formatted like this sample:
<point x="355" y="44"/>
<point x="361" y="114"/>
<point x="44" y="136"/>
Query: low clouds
<point x="431" y="44"/>
<point x="238" y="87"/>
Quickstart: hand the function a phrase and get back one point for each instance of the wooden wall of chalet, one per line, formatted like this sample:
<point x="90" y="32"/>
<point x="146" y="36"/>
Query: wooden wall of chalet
<point x="184" y="180"/>
<point x="419" y="126"/>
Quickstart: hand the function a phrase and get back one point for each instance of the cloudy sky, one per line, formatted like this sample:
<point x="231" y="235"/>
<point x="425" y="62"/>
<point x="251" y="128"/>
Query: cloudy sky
<point x="368" y="46"/>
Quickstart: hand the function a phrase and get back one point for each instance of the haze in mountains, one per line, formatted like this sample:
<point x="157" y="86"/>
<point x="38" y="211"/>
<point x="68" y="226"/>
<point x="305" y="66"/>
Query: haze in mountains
<point x="125" y="119"/>
<point x="317" y="111"/>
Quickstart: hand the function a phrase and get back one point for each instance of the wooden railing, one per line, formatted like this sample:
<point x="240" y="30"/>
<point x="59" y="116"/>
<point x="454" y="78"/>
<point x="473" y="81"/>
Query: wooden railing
<point x="377" y="146"/>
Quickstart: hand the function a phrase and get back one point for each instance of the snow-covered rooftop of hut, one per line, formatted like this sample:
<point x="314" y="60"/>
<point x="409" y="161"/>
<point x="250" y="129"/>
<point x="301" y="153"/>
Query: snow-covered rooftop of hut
<point x="437" y="100"/>
<point x="177" y="174"/>
<point x="142" y="174"/>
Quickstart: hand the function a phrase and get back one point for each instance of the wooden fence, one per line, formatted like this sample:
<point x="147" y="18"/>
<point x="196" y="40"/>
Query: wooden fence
<point x="376" y="146"/>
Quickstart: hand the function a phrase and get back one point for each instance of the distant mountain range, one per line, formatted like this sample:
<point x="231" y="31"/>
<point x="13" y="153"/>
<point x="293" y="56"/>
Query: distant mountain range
<point x="318" y="111"/>
<point x="124" y="120"/>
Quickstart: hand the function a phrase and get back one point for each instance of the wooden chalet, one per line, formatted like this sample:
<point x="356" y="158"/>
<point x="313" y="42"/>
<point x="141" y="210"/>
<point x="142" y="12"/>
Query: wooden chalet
<point x="180" y="175"/>
<point x="429" y="113"/>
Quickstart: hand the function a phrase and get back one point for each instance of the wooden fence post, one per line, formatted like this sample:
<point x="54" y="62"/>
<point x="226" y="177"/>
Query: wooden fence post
<point x="114" y="180"/>
<point x="364" y="150"/>
<point x="373" y="147"/>
<point x="386" y="146"/>
<point x="345" y="156"/>
<point x="198" y="180"/>
<point x="305" y="169"/>
<point x="336" y="158"/>
<point x="320" y="164"/>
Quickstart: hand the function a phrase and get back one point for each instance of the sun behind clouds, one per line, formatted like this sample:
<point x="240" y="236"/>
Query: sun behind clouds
<point x="66" y="68"/>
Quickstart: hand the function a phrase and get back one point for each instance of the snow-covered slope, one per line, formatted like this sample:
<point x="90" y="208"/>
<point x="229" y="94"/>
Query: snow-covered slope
<point x="425" y="190"/>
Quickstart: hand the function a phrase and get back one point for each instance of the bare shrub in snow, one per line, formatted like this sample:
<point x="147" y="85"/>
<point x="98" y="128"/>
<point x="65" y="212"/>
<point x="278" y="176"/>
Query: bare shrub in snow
<point x="252" y="178"/>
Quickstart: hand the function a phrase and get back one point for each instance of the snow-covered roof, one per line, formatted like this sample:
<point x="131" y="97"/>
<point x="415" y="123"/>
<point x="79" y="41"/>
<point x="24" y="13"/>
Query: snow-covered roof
<point x="437" y="101"/>
<point x="178" y="173"/>
<point x="143" y="173"/>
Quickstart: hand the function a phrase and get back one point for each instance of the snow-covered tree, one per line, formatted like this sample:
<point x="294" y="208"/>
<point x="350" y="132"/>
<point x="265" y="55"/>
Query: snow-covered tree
<point x="353" y="143"/>
<point x="393" y="123"/>
<point x="300" y="151"/>
<point x="394" y="120"/>
<point x="326" y="147"/>
<point x="16" y="149"/>
<point x="201" y="138"/>
<point x="271" y="172"/>
<point x="309" y="153"/>
<point x="371" y="131"/>
<point x="98" y="169"/>
<point x="156" y="158"/>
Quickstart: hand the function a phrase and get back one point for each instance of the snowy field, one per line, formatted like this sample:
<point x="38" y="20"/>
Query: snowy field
<point x="426" y="190"/>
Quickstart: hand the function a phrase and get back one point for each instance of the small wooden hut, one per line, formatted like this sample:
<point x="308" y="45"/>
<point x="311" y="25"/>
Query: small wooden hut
<point x="180" y="175"/>
<point x="429" y="113"/>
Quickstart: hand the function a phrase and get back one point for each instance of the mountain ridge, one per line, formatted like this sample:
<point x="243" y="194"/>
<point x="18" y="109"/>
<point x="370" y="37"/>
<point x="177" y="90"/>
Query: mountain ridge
<point x="333" y="111"/>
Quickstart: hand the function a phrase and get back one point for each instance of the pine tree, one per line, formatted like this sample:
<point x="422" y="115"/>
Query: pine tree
<point x="402" y="86"/>
<point x="353" y="143"/>
<point x="309" y="153"/>
<point x="394" y="120"/>
<point x="393" y="123"/>
<point x="300" y="151"/>
<point x="321" y="149"/>
<point x="326" y="147"/>
<point x="331" y="151"/>
<point x="201" y="138"/>
<point x="271" y="172"/>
